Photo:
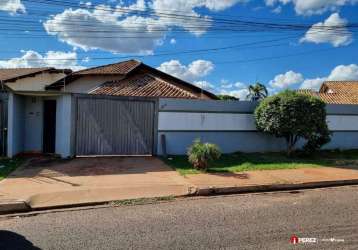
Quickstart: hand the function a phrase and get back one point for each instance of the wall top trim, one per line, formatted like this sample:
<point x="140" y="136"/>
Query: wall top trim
<point x="342" y="109"/>
<point x="212" y="106"/>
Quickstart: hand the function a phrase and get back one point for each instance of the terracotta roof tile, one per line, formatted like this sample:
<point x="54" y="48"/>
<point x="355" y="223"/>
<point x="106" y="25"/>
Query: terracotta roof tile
<point x="340" y="87"/>
<point x="143" y="85"/>
<point x="7" y="74"/>
<point x="334" y="98"/>
<point x="121" y="68"/>
<point x="306" y="91"/>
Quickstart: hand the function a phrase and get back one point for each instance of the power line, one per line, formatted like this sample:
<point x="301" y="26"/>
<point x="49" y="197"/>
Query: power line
<point x="242" y="45"/>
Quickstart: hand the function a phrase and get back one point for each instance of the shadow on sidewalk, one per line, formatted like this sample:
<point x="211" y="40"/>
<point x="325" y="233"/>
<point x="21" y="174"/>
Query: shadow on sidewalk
<point x="91" y="166"/>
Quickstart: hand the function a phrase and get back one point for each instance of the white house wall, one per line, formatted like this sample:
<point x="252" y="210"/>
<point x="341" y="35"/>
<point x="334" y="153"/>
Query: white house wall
<point x="36" y="82"/>
<point x="25" y="124"/>
<point x="85" y="84"/>
<point x="16" y="125"/>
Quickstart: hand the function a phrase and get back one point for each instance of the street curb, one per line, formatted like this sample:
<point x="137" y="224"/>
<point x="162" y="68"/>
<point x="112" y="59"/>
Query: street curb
<point x="14" y="206"/>
<point x="18" y="206"/>
<point x="205" y="191"/>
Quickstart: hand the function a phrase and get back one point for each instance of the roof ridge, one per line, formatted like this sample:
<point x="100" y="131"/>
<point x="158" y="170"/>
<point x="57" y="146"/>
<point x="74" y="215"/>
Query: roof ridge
<point x="7" y="74"/>
<point x="340" y="81"/>
<point x="107" y="65"/>
<point x="29" y="68"/>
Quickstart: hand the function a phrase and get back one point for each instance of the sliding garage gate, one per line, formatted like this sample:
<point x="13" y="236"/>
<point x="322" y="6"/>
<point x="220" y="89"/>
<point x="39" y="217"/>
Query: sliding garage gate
<point x="115" y="126"/>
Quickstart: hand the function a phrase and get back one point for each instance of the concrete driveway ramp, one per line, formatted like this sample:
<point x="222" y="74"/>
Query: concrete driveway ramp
<point x="93" y="180"/>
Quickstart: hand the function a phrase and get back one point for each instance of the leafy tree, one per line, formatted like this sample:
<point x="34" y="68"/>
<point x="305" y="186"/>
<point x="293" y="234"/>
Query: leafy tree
<point x="294" y="116"/>
<point x="228" y="98"/>
<point x="257" y="92"/>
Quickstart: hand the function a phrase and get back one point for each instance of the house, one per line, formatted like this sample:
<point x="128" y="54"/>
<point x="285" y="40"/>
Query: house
<point x="26" y="81"/>
<point x="87" y="112"/>
<point x="336" y="92"/>
<point x="30" y="79"/>
<point x="129" y="78"/>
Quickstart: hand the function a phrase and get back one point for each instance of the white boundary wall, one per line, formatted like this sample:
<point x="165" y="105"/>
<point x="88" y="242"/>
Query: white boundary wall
<point x="231" y="125"/>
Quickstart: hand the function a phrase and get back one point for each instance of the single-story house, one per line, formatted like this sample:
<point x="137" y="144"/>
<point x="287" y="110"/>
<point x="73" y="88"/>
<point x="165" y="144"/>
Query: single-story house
<point x="336" y="92"/>
<point x="130" y="108"/>
<point x="46" y="110"/>
<point x="30" y="79"/>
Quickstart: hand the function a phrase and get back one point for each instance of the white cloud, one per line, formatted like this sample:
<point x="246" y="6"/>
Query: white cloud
<point x="101" y="29"/>
<point x="236" y="89"/>
<point x="191" y="72"/>
<point x="12" y="6"/>
<point x="344" y="73"/>
<point x="339" y="73"/>
<point x="312" y="7"/>
<point x="332" y="30"/>
<point x="204" y="85"/>
<point x="286" y="80"/>
<point x="111" y="29"/>
<point x="314" y="83"/>
<point x="173" y="41"/>
<point x="238" y="93"/>
<point x="30" y="59"/>
<point x="240" y="85"/>
<point x="195" y="25"/>
<point x="277" y="10"/>
<point x="227" y="86"/>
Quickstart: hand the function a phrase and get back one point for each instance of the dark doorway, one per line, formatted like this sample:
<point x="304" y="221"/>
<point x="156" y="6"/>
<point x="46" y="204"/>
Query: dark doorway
<point x="49" y="134"/>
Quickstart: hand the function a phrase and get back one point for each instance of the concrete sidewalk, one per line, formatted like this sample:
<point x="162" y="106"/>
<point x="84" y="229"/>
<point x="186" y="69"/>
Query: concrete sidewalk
<point x="86" y="181"/>
<point x="270" y="180"/>
<point x="91" y="180"/>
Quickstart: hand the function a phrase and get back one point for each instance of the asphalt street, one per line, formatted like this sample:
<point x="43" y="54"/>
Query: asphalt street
<point x="251" y="221"/>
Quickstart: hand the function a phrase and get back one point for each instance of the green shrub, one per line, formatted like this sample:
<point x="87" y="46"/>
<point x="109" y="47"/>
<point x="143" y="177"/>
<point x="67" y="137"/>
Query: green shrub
<point x="199" y="154"/>
<point x="294" y="116"/>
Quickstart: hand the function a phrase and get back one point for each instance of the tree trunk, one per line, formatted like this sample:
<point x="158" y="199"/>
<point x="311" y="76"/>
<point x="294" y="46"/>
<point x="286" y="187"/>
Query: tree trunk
<point x="290" y="140"/>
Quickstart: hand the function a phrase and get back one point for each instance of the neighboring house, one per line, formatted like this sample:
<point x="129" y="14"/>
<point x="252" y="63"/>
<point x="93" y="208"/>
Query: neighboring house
<point x="30" y="79"/>
<point x="129" y="78"/>
<point x="336" y="92"/>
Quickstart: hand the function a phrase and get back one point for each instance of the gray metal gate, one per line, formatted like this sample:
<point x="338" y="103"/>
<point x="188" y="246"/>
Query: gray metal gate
<point x="115" y="126"/>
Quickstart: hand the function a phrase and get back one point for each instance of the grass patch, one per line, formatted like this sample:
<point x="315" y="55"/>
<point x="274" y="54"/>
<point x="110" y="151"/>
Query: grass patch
<point x="239" y="162"/>
<point x="142" y="201"/>
<point x="8" y="165"/>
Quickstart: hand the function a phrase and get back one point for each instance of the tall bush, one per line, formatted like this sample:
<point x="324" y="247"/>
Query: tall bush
<point x="294" y="116"/>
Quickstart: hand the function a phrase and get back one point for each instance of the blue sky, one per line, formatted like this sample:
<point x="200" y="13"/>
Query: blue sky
<point x="220" y="45"/>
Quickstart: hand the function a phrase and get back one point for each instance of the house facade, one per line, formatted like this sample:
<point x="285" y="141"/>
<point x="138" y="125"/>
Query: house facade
<point x="129" y="108"/>
<point x="22" y="92"/>
<point x="42" y="105"/>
